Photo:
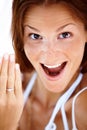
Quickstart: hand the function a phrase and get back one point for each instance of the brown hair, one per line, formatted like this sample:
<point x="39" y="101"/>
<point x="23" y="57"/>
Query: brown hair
<point x="19" y="8"/>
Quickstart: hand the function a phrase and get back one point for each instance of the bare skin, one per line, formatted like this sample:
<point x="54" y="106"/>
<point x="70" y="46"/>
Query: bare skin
<point x="11" y="102"/>
<point x="48" y="34"/>
<point x="37" y="110"/>
<point x="41" y="41"/>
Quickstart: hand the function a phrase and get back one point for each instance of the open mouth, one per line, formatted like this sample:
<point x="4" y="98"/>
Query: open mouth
<point x="55" y="70"/>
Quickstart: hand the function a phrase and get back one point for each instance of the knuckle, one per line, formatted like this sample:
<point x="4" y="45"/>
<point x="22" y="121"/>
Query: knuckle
<point x="11" y="101"/>
<point x="3" y="78"/>
<point x="10" y="78"/>
<point x="3" y="103"/>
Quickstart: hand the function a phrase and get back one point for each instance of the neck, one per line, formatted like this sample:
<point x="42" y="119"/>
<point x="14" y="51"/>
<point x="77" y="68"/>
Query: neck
<point x="48" y="98"/>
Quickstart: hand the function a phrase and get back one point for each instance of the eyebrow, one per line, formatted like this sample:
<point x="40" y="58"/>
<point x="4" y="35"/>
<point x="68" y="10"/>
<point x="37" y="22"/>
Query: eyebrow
<point x="60" y="28"/>
<point x="33" y="28"/>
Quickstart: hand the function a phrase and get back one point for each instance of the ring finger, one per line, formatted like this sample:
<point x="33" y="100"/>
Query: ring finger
<point x="11" y="74"/>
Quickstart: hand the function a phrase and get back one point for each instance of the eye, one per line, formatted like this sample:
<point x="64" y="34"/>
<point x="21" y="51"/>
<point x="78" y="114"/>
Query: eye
<point x="64" y="35"/>
<point x="35" y="36"/>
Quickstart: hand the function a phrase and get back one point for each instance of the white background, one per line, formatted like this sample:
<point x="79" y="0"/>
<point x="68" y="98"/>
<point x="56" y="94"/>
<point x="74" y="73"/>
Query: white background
<point x="5" y="25"/>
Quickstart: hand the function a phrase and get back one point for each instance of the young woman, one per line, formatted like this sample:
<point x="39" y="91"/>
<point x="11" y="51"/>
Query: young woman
<point x="49" y="39"/>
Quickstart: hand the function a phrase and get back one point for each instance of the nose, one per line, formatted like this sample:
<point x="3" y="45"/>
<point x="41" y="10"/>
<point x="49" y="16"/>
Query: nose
<point x="52" y="51"/>
<point x="51" y="47"/>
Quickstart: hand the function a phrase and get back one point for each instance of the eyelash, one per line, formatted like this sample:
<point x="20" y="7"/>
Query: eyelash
<point x="64" y="35"/>
<point x="34" y="36"/>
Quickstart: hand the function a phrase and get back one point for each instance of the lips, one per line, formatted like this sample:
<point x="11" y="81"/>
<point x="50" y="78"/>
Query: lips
<point x="54" y="70"/>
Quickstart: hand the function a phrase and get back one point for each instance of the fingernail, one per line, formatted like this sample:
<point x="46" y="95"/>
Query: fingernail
<point x="0" y="60"/>
<point x="12" y="58"/>
<point x="6" y="56"/>
<point x="17" y="66"/>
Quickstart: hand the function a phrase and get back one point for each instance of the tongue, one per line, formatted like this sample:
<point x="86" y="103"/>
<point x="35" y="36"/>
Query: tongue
<point x="54" y="71"/>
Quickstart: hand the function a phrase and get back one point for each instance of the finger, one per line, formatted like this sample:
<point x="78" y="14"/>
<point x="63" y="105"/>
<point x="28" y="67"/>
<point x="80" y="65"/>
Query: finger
<point x="3" y="75"/>
<point x="18" y="81"/>
<point x="11" y="75"/>
<point x="0" y="63"/>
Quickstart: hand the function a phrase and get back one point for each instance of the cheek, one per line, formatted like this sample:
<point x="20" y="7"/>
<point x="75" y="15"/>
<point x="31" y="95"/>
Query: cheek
<point x="31" y="53"/>
<point x="76" y="53"/>
<point x="76" y="48"/>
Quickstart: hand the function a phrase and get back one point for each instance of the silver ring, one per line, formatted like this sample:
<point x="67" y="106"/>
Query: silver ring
<point x="10" y="89"/>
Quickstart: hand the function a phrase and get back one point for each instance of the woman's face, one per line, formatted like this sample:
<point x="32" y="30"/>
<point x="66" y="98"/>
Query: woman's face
<point x="54" y="42"/>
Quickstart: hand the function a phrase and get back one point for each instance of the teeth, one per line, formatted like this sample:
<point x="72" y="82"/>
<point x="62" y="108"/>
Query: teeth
<point x="54" y="66"/>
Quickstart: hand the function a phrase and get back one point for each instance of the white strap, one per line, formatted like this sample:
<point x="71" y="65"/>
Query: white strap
<point x="29" y="87"/>
<point x="65" y="122"/>
<point x="62" y="101"/>
<point x="73" y="108"/>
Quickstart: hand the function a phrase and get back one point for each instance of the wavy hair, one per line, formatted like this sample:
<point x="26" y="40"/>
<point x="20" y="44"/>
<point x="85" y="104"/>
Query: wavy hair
<point x="19" y="9"/>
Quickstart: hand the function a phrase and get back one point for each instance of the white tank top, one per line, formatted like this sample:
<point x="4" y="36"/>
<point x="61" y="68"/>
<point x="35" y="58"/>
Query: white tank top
<point x="60" y="103"/>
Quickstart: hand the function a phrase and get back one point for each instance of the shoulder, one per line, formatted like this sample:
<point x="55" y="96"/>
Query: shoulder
<point x="81" y="105"/>
<point x="82" y="93"/>
<point x="84" y="80"/>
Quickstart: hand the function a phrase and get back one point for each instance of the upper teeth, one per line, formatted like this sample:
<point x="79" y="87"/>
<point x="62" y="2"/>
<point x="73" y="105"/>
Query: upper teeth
<point x="54" y="66"/>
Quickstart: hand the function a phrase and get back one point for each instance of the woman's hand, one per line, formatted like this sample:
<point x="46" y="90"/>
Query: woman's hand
<point x="11" y="97"/>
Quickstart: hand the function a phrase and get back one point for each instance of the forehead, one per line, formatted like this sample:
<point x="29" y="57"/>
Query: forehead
<point x="49" y="15"/>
